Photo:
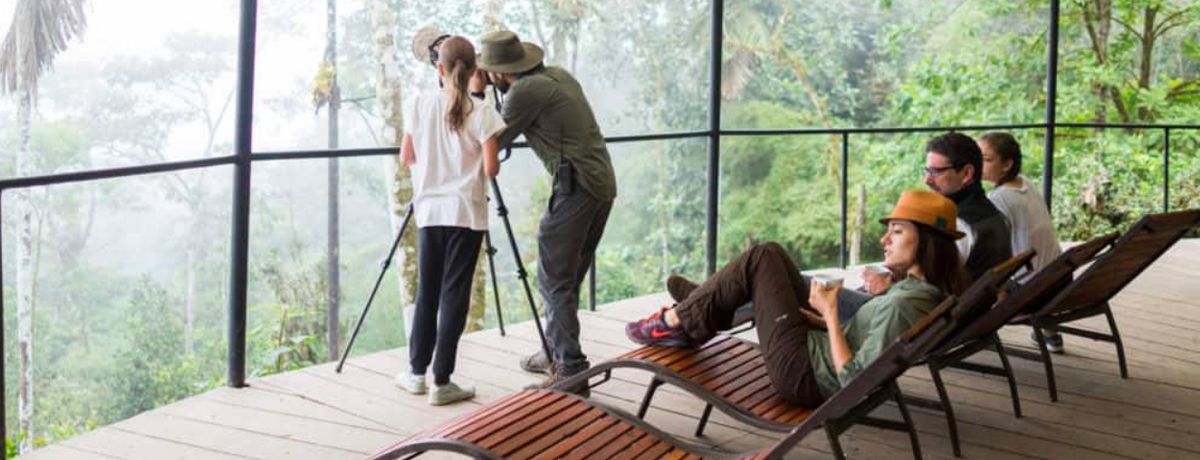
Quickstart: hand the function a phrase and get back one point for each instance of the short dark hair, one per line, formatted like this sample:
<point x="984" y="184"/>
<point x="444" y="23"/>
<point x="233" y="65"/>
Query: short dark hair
<point x="960" y="149"/>
<point x="1007" y="148"/>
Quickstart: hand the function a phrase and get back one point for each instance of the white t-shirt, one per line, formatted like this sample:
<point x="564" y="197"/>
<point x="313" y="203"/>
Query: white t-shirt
<point x="1029" y="221"/>
<point x="449" y="186"/>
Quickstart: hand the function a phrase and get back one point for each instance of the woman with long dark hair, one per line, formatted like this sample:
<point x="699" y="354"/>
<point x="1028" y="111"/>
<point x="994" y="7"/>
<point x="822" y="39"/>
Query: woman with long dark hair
<point x="808" y="351"/>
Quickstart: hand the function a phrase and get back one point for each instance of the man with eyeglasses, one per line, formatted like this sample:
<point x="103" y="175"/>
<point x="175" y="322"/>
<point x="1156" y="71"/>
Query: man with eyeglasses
<point x="953" y="165"/>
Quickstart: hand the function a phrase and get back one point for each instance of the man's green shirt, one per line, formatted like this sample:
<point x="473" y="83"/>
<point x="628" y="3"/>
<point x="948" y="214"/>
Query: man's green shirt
<point x="549" y="107"/>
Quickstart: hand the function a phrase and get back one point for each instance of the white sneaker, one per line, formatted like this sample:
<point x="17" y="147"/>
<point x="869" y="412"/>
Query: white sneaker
<point x="411" y="383"/>
<point x="449" y="393"/>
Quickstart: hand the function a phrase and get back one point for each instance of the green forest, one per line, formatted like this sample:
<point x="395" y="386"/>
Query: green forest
<point x="126" y="281"/>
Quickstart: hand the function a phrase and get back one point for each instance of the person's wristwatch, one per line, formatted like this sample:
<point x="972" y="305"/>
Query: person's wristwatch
<point x="478" y="95"/>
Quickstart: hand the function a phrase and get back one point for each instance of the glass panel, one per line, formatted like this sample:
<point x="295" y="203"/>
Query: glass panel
<point x="643" y="73"/>
<point x="130" y="296"/>
<point x="289" y="253"/>
<point x="1108" y="74"/>
<point x="657" y="225"/>
<point x="782" y="189"/>
<point x="123" y="95"/>
<point x="894" y="63"/>
<point x="1185" y="168"/>
<point x="1105" y="180"/>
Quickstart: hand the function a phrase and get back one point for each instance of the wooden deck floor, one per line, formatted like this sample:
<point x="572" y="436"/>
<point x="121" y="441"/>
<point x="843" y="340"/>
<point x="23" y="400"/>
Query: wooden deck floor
<point x="315" y="413"/>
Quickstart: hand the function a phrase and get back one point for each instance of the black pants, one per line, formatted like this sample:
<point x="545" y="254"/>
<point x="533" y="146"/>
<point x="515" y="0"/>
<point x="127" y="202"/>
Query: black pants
<point x="568" y="236"/>
<point x="765" y="276"/>
<point x="446" y="258"/>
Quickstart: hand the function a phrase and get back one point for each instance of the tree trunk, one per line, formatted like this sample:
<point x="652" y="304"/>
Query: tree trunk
<point x="1146" y="67"/>
<point x="860" y="224"/>
<point x="332" y="249"/>
<point x="388" y="98"/>
<point x="189" y="301"/>
<point x="25" y="273"/>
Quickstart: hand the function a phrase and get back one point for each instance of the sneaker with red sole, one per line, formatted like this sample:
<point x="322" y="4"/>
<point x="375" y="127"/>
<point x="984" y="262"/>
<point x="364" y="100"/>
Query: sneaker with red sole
<point x="655" y="331"/>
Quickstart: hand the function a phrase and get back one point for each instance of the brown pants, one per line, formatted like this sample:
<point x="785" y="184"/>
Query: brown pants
<point x="765" y="276"/>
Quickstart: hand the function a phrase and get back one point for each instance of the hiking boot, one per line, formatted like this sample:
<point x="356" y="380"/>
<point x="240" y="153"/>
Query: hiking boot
<point x="679" y="287"/>
<point x="536" y="363"/>
<point x="556" y="376"/>
<point x="655" y="331"/>
<point x="1054" y="341"/>
<point x="441" y="395"/>
<point x="411" y="383"/>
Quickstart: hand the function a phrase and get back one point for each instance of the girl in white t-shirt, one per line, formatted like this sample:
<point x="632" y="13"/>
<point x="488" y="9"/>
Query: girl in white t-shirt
<point x="1027" y="214"/>
<point x="449" y="146"/>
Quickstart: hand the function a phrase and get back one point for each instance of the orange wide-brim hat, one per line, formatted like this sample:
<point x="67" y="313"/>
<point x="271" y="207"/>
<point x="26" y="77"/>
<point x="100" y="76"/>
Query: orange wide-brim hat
<point x="927" y="208"/>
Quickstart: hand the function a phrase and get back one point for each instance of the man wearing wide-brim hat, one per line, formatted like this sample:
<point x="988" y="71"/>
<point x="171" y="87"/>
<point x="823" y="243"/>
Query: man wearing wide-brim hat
<point x="548" y="106"/>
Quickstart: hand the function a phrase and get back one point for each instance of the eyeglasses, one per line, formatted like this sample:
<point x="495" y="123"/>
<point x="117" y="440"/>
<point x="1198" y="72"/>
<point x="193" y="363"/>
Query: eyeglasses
<point x="935" y="170"/>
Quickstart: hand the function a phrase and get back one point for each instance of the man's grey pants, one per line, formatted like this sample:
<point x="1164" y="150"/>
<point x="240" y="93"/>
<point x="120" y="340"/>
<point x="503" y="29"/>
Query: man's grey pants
<point x="567" y="239"/>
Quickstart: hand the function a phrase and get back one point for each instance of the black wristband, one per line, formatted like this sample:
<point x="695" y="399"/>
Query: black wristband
<point x="479" y="95"/>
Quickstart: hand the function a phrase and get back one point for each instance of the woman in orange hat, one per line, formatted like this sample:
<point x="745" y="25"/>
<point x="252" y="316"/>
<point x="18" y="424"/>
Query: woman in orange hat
<point x="809" y="352"/>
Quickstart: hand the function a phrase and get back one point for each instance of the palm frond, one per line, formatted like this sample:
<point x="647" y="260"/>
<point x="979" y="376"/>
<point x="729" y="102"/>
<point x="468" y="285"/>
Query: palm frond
<point x="40" y="30"/>
<point x="737" y="71"/>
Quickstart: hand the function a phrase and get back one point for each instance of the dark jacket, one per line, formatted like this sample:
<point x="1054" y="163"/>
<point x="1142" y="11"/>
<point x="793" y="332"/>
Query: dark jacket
<point x="993" y="242"/>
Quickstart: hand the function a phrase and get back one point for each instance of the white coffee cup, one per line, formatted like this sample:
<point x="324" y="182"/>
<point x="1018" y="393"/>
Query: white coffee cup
<point x="879" y="269"/>
<point x="828" y="280"/>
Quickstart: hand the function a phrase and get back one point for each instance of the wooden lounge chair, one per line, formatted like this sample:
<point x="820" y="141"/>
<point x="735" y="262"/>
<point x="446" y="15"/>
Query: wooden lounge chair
<point x="1089" y="294"/>
<point x="729" y="373"/>
<point x="553" y="424"/>
<point x="980" y="334"/>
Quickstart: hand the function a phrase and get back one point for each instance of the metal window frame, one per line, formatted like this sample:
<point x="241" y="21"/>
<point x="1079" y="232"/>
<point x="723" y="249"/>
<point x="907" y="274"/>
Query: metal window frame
<point x="243" y="159"/>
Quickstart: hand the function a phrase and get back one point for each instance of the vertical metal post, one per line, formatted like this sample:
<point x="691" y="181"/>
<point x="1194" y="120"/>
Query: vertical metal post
<point x="332" y="237"/>
<point x="1051" y="101"/>
<point x="3" y="367"/>
<point x="240" y="235"/>
<point x="1166" y="169"/>
<point x="845" y="195"/>
<point x="714" y="131"/>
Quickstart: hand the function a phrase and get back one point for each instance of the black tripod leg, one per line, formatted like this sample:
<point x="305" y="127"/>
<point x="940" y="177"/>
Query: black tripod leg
<point x="387" y="262"/>
<point x="512" y="241"/>
<point x="491" y="253"/>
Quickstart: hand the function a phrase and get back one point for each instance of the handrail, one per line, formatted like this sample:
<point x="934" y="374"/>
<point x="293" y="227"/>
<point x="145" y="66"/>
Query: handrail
<point x="158" y="168"/>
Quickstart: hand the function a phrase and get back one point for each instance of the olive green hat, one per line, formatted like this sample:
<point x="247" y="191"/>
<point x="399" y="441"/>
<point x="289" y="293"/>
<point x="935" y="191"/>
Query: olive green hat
<point x="504" y="52"/>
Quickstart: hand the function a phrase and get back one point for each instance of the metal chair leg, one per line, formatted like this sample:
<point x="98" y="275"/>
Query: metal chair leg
<point x="951" y="423"/>
<point x="1008" y="372"/>
<point x="654" y="384"/>
<point x="912" y="429"/>
<point x="703" y="420"/>
<point x="1050" y="384"/>
<point x="1112" y="325"/>
<point x="834" y="446"/>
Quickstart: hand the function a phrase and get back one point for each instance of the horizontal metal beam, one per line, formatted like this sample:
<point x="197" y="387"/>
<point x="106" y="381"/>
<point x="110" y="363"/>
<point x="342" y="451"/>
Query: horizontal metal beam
<point x="897" y="130"/>
<point x="110" y="173"/>
<point x="99" y="174"/>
